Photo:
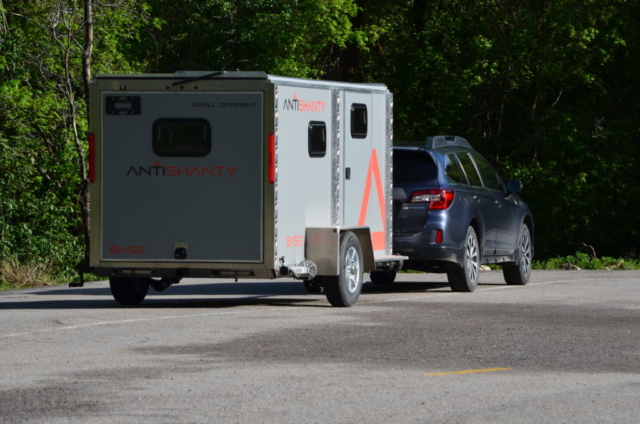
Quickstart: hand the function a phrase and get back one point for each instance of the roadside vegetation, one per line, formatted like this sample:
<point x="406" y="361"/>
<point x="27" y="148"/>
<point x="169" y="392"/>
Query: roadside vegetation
<point x="18" y="275"/>
<point x="582" y="261"/>
<point x="546" y="90"/>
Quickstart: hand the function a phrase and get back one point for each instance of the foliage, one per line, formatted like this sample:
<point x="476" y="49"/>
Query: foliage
<point x="291" y="37"/>
<point x="585" y="262"/>
<point x="547" y="90"/>
<point x="15" y="274"/>
<point x="43" y="124"/>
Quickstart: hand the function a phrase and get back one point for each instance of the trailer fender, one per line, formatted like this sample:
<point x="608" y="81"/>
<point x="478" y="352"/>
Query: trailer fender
<point x="322" y="246"/>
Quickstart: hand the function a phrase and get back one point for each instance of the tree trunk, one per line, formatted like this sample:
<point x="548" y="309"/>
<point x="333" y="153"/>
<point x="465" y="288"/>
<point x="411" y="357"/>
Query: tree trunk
<point x="86" y="77"/>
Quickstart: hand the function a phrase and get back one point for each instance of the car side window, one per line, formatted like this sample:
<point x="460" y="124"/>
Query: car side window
<point x="452" y="170"/>
<point x="469" y="169"/>
<point x="489" y="176"/>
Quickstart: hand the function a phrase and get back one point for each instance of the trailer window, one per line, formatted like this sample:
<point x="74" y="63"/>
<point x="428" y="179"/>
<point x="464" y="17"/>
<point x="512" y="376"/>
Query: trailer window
<point x="181" y="137"/>
<point x="317" y="139"/>
<point x="358" y="120"/>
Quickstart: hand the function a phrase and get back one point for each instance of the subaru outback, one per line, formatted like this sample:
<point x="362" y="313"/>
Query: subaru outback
<point x="453" y="213"/>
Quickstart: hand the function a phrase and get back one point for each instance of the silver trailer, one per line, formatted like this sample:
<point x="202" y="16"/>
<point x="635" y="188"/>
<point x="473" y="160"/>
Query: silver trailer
<point x="242" y="175"/>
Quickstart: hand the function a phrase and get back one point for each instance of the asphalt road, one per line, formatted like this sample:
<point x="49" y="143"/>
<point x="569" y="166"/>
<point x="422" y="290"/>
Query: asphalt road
<point x="563" y="349"/>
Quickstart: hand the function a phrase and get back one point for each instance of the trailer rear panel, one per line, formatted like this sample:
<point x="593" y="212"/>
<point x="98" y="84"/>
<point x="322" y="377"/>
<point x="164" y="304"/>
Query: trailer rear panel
<point x="182" y="176"/>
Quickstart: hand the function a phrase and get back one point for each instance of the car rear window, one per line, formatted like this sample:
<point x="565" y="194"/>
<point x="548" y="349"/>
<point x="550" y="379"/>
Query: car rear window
<point x="413" y="167"/>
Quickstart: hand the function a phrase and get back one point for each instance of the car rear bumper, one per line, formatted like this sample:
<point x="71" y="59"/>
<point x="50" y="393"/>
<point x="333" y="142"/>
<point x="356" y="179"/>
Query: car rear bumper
<point x="423" y="247"/>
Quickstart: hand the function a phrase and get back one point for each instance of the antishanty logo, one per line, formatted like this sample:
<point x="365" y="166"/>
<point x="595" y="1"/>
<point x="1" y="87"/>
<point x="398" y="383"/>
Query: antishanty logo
<point x="300" y="105"/>
<point x="159" y="170"/>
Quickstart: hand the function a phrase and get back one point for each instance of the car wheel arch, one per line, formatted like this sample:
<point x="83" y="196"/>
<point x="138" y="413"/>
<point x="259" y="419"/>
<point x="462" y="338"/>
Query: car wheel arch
<point x="528" y="221"/>
<point x="475" y="224"/>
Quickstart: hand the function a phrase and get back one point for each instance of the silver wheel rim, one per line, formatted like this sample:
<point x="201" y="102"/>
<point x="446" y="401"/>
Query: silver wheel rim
<point x="472" y="258"/>
<point x="525" y="254"/>
<point x="352" y="270"/>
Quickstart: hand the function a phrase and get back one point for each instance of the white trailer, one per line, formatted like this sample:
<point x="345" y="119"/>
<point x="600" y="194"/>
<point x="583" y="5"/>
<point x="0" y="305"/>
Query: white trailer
<point x="242" y="175"/>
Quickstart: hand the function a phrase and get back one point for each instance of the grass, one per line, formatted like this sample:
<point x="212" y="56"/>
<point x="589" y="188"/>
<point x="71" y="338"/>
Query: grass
<point x="16" y="275"/>
<point x="584" y="261"/>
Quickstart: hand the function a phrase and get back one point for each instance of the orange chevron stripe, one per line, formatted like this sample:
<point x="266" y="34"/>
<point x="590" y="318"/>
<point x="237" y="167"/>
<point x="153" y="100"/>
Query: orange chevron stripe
<point x="378" y="237"/>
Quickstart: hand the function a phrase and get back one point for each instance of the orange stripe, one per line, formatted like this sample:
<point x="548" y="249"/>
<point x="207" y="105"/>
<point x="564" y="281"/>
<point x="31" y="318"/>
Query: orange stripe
<point x="365" y="198"/>
<point x="439" y="374"/>
<point x="378" y="238"/>
<point x="376" y="174"/>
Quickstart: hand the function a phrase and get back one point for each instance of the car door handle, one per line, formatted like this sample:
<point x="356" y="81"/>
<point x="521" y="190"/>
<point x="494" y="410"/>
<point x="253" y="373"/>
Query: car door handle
<point x="476" y="198"/>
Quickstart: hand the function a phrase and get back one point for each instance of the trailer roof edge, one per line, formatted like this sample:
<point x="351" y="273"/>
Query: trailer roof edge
<point x="238" y="75"/>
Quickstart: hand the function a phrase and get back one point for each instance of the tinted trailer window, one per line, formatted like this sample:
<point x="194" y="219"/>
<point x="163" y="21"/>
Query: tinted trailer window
<point x="176" y="137"/>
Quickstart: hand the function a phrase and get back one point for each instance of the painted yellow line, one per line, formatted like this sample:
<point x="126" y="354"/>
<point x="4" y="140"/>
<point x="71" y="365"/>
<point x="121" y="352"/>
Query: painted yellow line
<point x="438" y="374"/>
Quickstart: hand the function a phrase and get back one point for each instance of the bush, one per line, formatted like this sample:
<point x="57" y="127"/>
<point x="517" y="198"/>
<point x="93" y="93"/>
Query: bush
<point x="16" y="275"/>
<point x="583" y="261"/>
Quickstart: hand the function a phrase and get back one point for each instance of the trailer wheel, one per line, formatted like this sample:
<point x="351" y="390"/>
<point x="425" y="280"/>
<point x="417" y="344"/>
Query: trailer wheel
<point x="344" y="289"/>
<point x="129" y="291"/>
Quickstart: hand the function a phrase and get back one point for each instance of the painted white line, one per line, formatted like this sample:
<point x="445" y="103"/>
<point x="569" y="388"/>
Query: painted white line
<point x="128" y="321"/>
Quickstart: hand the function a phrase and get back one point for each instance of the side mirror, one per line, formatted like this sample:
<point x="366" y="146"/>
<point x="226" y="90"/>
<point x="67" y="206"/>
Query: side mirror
<point x="514" y="186"/>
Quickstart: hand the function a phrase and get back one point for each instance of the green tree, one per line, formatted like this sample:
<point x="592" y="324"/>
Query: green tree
<point x="545" y="89"/>
<point x="292" y="37"/>
<point x="45" y="58"/>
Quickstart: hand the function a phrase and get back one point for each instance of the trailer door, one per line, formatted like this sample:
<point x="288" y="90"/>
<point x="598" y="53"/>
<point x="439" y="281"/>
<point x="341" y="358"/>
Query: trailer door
<point x="357" y="151"/>
<point x="182" y="176"/>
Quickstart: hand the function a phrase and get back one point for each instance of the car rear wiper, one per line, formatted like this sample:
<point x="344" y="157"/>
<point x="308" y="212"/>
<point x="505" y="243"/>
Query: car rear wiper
<point x="205" y="76"/>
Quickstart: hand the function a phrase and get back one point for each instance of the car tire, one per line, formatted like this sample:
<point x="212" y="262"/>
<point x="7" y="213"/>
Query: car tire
<point x="315" y="286"/>
<point x="382" y="277"/>
<point x="518" y="274"/>
<point x="129" y="291"/>
<point x="344" y="289"/>
<point x="465" y="279"/>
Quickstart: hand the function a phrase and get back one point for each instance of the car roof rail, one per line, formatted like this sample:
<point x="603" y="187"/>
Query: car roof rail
<point x="439" y="141"/>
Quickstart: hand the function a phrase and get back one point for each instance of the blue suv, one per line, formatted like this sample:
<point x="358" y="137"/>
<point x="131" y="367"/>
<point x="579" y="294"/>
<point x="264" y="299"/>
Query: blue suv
<point x="452" y="213"/>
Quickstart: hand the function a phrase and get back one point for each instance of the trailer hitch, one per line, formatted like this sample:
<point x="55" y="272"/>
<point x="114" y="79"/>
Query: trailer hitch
<point x="305" y="270"/>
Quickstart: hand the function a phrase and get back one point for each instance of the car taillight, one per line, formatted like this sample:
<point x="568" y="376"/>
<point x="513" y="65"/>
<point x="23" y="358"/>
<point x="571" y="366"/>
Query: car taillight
<point x="437" y="198"/>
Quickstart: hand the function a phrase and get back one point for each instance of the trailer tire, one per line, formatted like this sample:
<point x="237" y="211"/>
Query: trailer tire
<point x="129" y="291"/>
<point x="344" y="289"/>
